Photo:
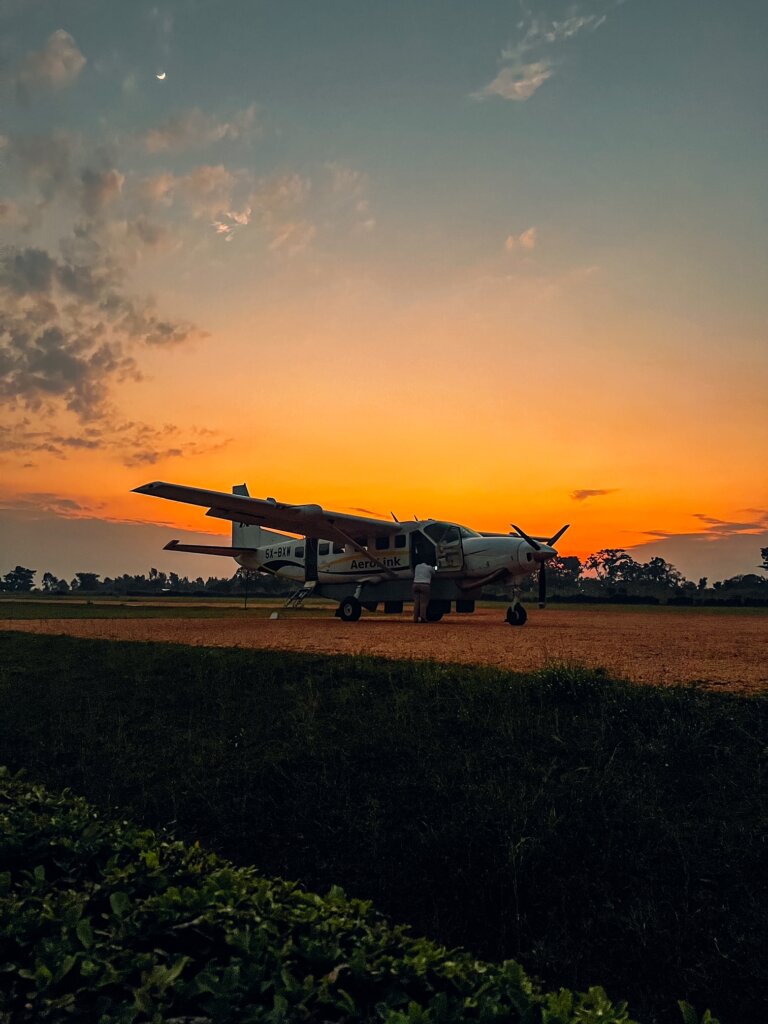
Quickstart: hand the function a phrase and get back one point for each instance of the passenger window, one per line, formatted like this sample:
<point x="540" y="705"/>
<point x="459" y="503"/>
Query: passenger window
<point x="338" y="549"/>
<point x="323" y="548"/>
<point x="382" y="543"/>
<point x="400" y="540"/>
<point x="300" y="551"/>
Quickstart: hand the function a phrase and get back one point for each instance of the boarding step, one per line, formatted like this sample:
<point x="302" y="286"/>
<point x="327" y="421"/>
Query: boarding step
<point x="297" y="599"/>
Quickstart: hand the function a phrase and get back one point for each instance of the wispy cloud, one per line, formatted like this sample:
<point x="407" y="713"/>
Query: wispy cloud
<point x="292" y="237"/>
<point x="526" y="240"/>
<point x="73" y="328"/>
<point x="131" y="442"/>
<point x="12" y="215"/>
<point x="601" y="492"/>
<point x="56" y="66"/>
<point x="718" y="529"/>
<point x="68" y="330"/>
<point x="230" y="220"/>
<point x="518" y="82"/>
<point x="231" y="201"/>
<point x="47" y="501"/>
<point x="195" y="129"/>
<point x="44" y="161"/>
<point x="349" y="196"/>
<point x="528" y="60"/>
<point x="537" y="31"/>
<point x="206" y="190"/>
<point x="99" y="189"/>
<point x="276" y="204"/>
<point x="367" y="511"/>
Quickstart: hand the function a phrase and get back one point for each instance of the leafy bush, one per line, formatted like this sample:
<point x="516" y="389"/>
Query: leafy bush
<point x="106" y="922"/>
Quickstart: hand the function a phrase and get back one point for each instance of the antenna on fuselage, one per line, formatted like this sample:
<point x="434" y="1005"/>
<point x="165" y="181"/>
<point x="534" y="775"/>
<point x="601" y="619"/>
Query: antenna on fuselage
<point x="394" y="517"/>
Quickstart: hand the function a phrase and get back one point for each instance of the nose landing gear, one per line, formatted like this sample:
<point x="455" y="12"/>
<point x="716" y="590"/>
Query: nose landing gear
<point x="516" y="614"/>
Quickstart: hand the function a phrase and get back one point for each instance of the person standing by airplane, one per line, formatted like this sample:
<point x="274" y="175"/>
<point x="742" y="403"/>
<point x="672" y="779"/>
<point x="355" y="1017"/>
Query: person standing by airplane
<point x="422" y="586"/>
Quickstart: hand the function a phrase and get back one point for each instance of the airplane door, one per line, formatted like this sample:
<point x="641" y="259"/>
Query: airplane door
<point x="422" y="549"/>
<point x="447" y="540"/>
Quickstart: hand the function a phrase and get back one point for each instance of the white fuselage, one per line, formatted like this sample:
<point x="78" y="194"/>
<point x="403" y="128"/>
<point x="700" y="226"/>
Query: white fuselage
<point x="459" y="553"/>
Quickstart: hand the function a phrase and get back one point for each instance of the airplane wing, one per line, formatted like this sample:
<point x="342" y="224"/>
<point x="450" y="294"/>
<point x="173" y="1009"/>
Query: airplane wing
<point x="305" y="520"/>
<point x="205" y="549"/>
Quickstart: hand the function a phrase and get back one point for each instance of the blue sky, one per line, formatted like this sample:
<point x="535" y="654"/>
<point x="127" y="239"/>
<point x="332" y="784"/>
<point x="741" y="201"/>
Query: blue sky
<point x="531" y="206"/>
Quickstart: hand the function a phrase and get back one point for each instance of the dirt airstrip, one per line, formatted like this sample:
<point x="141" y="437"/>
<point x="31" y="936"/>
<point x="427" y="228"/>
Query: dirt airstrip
<point x="721" y="651"/>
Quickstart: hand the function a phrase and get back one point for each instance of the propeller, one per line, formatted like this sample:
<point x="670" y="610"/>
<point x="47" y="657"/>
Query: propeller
<point x="534" y="544"/>
<point x="558" y="535"/>
<point x="542" y="557"/>
<point x="542" y="585"/>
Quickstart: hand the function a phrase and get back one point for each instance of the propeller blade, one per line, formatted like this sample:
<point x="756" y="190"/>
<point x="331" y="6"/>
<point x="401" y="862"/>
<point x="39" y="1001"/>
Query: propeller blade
<point x="542" y="585"/>
<point x="529" y="540"/>
<point x="558" y="535"/>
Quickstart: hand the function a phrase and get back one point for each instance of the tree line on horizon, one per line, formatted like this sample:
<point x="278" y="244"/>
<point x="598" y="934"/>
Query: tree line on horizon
<point x="611" y="573"/>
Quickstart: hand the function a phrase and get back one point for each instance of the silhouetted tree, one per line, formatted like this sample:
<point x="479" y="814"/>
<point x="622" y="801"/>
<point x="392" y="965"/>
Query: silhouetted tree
<point x="50" y="583"/>
<point x="564" y="573"/>
<point x="744" y="585"/>
<point x="764" y="553"/>
<point x="18" y="580"/>
<point x="661" y="574"/>
<point x="86" y="581"/>
<point x="613" y="566"/>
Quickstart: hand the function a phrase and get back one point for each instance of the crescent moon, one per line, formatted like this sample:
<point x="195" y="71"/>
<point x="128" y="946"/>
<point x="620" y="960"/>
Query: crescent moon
<point x="160" y="75"/>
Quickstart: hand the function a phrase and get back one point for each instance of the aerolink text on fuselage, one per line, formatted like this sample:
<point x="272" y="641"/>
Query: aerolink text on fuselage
<point x="393" y="562"/>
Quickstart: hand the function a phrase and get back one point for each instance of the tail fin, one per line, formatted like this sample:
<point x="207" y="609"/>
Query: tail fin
<point x="245" y="535"/>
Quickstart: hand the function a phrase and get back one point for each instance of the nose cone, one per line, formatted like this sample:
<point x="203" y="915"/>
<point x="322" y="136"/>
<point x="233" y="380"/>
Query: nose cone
<point x="544" y="553"/>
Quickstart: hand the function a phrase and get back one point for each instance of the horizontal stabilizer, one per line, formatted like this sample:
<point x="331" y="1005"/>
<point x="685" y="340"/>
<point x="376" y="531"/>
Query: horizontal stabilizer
<point x="206" y="549"/>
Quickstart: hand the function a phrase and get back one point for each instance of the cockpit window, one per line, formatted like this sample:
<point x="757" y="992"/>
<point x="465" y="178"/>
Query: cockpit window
<point x="466" y="532"/>
<point x="442" y="533"/>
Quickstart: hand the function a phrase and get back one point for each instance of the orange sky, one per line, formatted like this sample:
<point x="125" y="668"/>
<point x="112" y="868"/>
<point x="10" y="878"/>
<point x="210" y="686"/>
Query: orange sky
<point x="478" y="420"/>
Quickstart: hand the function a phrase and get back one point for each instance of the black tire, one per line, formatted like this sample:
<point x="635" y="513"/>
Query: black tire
<point x="350" y="609"/>
<point x="434" y="614"/>
<point x="516" y="615"/>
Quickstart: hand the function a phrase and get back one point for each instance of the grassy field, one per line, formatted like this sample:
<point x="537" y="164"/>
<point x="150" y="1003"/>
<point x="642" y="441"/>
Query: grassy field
<point x="599" y="832"/>
<point x="211" y="607"/>
<point x="152" y="608"/>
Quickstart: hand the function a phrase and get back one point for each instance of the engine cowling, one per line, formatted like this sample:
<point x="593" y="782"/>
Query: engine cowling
<point x="524" y="555"/>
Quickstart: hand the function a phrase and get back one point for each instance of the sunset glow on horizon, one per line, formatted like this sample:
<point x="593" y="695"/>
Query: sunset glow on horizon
<point x="485" y="263"/>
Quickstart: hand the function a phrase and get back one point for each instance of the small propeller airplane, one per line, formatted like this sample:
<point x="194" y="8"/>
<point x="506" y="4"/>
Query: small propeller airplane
<point x="362" y="562"/>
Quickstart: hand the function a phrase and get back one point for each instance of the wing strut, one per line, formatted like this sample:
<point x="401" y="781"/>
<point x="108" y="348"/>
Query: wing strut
<point x="364" y="551"/>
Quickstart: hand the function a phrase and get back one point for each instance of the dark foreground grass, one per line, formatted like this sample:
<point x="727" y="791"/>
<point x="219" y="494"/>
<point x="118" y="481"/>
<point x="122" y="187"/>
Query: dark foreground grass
<point x="101" y="921"/>
<point x="599" y="832"/>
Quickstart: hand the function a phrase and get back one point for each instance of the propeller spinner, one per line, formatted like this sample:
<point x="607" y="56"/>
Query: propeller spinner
<point x="541" y="554"/>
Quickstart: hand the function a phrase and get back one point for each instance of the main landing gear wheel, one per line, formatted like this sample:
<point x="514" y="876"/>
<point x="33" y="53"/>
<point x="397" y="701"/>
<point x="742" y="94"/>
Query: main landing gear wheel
<point x="350" y="609"/>
<point x="516" y="615"/>
<point x="433" y="615"/>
